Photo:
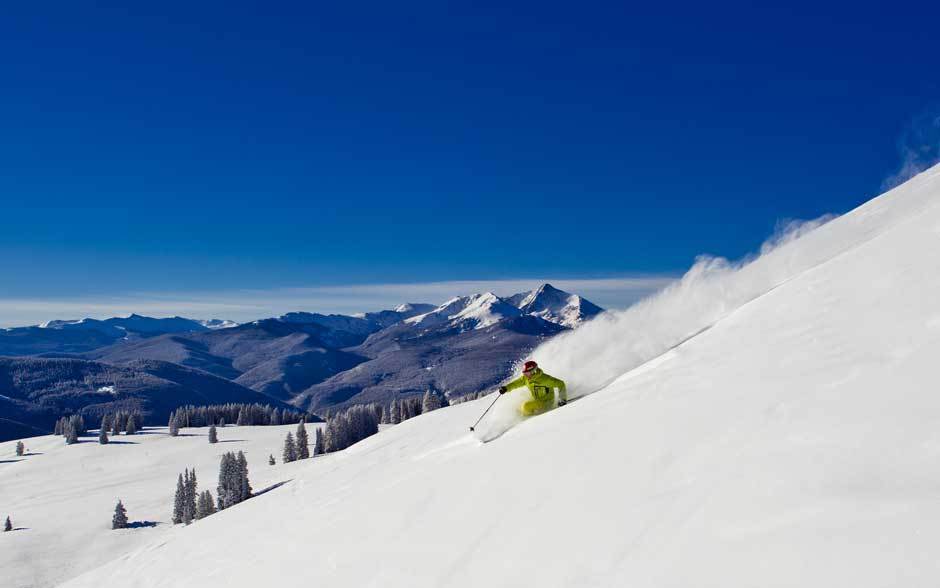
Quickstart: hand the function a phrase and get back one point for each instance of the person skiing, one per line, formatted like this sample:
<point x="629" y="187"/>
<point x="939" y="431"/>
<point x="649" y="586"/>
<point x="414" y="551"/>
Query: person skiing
<point x="541" y="386"/>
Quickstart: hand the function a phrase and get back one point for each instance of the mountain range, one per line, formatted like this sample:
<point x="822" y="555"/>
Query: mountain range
<point x="317" y="362"/>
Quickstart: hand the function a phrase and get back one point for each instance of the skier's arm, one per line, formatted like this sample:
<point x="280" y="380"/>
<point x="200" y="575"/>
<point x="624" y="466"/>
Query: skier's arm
<point x="562" y="391"/>
<point x="517" y="383"/>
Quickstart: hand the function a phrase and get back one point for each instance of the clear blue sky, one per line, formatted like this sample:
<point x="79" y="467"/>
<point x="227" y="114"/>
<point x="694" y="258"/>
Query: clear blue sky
<point x="208" y="146"/>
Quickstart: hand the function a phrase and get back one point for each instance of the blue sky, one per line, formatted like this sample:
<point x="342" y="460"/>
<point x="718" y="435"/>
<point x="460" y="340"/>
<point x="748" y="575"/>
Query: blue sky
<point x="183" y="152"/>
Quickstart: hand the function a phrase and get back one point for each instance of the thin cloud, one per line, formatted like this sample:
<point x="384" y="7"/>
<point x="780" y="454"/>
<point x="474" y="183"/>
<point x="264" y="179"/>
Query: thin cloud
<point x="248" y="305"/>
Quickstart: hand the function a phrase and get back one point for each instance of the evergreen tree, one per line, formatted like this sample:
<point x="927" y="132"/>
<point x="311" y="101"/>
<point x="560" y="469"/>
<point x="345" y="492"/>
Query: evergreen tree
<point x="271" y="459"/>
<point x="275" y="417"/>
<point x="318" y="448"/>
<point x="131" y="427"/>
<point x="189" y="496"/>
<point x="205" y="506"/>
<point x="105" y="422"/>
<point x="71" y="434"/>
<point x="290" y="449"/>
<point x="103" y="436"/>
<point x="174" y="425"/>
<point x="179" y="501"/>
<point x="234" y="486"/>
<point x="213" y="435"/>
<point x="8" y="526"/>
<point x="222" y="422"/>
<point x="431" y="401"/>
<point x="78" y="424"/>
<point x="116" y="425"/>
<point x="58" y="428"/>
<point x="20" y="448"/>
<point x="395" y="412"/>
<point x="303" y="443"/>
<point x="242" y="419"/>
<point x="119" y="520"/>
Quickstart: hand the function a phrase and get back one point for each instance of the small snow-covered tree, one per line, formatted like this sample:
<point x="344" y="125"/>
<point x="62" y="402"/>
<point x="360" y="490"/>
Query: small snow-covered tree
<point x="20" y="448"/>
<point x="213" y="435"/>
<point x="276" y="417"/>
<point x="71" y="434"/>
<point x="431" y="401"/>
<point x="244" y="486"/>
<point x="205" y="506"/>
<point x="290" y="449"/>
<point x="174" y="425"/>
<point x="103" y="436"/>
<point x="119" y="520"/>
<point x="242" y="418"/>
<point x="179" y="500"/>
<point x="271" y="459"/>
<point x="303" y="442"/>
<point x="8" y="526"/>
<point x="394" y="412"/>
<point x="58" y="428"/>
<point x="318" y="448"/>
<point x="131" y="427"/>
<point x="189" y="496"/>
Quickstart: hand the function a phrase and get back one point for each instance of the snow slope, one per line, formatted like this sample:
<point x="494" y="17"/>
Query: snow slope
<point x="768" y="424"/>
<point x="62" y="497"/>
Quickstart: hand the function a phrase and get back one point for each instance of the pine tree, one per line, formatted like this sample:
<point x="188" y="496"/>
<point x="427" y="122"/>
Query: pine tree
<point x="431" y="401"/>
<point x="244" y="486"/>
<point x="20" y="448"/>
<point x="189" y="496"/>
<point x="318" y="448"/>
<point x="103" y="436"/>
<point x="71" y="434"/>
<point x="395" y="412"/>
<point x="290" y="449"/>
<point x="271" y="459"/>
<point x="275" y="417"/>
<point x="303" y="443"/>
<point x="119" y="520"/>
<point x="242" y="419"/>
<point x="205" y="506"/>
<point x="8" y="526"/>
<point x="213" y="435"/>
<point x="174" y="425"/>
<point x="58" y="428"/>
<point x="78" y="423"/>
<point x="105" y="422"/>
<point x="222" y="422"/>
<point x="116" y="425"/>
<point x="131" y="427"/>
<point x="179" y="501"/>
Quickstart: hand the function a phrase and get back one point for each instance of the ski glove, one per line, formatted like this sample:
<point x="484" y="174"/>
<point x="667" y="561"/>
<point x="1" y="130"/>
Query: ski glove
<point x="502" y="389"/>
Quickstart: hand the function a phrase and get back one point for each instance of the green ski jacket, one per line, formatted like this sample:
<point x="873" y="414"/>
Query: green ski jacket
<point x="541" y="385"/>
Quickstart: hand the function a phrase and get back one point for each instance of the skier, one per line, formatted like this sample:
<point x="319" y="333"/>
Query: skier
<point x="541" y="386"/>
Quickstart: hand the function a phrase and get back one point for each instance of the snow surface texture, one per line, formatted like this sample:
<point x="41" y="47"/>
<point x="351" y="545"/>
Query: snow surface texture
<point x="774" y="424"/>
<point x="61" y="498"/>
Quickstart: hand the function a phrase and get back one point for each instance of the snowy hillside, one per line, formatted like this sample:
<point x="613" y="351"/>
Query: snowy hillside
<point x="773" y="424"/>
<point x="61" y="498"/>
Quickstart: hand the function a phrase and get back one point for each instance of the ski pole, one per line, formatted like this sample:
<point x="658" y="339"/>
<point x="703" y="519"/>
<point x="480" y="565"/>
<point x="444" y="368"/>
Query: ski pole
<point x="484" y="413"/>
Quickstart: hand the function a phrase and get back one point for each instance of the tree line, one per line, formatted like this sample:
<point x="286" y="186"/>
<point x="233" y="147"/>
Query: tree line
<point x="240" y="414"/>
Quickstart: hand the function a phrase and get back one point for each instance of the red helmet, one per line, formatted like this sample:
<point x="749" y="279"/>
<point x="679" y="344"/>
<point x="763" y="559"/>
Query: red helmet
<point x="529" y="366"/>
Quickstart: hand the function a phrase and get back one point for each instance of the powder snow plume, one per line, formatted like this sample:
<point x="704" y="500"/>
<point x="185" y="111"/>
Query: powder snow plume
<point x="616" y="342"/>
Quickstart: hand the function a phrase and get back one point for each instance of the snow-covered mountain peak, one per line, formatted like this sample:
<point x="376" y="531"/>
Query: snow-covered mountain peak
<point x="476" y="311"/>
<point x="556" y="306"/>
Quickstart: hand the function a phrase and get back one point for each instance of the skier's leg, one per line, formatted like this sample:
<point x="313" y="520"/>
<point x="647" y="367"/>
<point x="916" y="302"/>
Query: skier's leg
<point x="534" y="407"/>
